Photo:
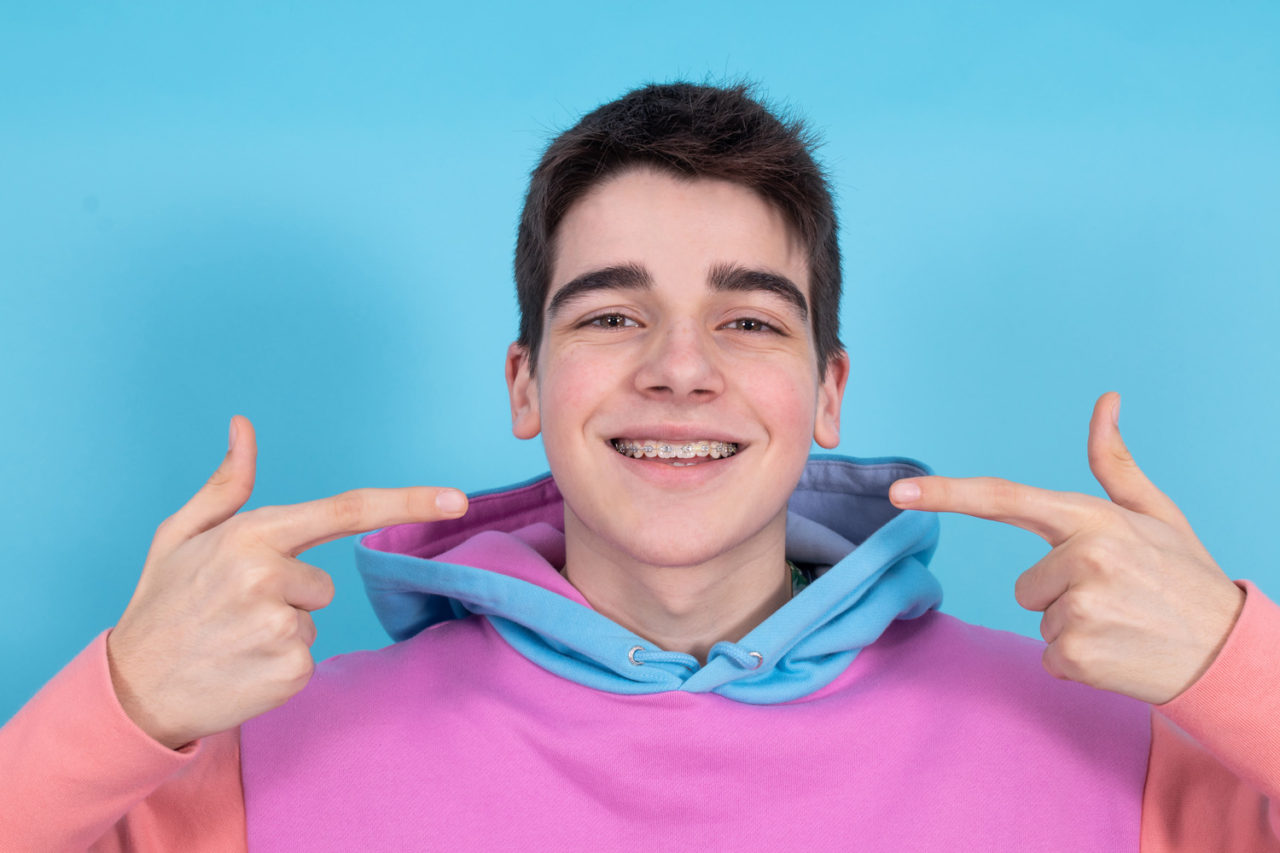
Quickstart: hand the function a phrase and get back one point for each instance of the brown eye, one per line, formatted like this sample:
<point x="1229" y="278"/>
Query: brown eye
<point x="750" y="324"/>
<point x="611" y="321"/>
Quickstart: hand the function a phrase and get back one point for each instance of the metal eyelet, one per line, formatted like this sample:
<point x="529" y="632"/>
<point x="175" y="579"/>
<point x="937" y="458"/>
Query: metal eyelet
<point x="759" y="659"/>
<point x="631" y="655"/>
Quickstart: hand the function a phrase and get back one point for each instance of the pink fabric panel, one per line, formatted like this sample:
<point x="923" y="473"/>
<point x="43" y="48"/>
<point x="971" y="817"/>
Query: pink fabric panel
<point x="942" y="736"/>
<point x="523" y="555"/>
<point x="506" y="511"/>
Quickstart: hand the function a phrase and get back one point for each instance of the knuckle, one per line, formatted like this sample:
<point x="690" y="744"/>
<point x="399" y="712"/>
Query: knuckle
<point x="327" y="588"/>
<point x="281" y="624"/>
<point x="166" y="527"/>
<point x="1004" y="493"/>
<point x="1072" y="655"/>
<point x="242" y="527"/>
<point x="1023" y="589"/>
<point x="307" y="628"/>
<point x="1100" y="515"/>
<point x="1094" y="554"/>
<point x="1109" y="454"/>
<point x="239" y="491"/>
<point x="230" y="486"/>
<point x="1078" y="607"/>
<point x="1121" y="455"/>
<point x="257" y="580"/>
<point x="245" y="531"/>
<point x="299" y="666"/>
<point x="1050" y="662"/>
<point x="348" y="508"/>
<point x="220" y="478"/>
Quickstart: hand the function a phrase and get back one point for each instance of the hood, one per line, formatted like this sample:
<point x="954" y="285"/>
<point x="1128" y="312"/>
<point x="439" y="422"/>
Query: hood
<point x="867" y="557"/>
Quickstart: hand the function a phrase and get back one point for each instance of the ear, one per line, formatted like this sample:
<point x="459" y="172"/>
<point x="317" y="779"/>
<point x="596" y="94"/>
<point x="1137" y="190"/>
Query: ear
<point x="826" y="424"/>
<point x="522" y="388"/>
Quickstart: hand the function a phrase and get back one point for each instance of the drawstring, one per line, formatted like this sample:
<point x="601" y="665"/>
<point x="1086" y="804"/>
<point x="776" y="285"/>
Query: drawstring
<point x="639" y="655"/>
<point x="740" y="656"/>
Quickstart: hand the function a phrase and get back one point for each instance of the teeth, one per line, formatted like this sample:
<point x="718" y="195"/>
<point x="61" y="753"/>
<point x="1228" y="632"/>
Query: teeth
<point x="649" y="448"/>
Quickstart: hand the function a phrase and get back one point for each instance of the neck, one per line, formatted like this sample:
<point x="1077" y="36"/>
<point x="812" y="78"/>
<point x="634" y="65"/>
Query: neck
<point x="686" y="607"/>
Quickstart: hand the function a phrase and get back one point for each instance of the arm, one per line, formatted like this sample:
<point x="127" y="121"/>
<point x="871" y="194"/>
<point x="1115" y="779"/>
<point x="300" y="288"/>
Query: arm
<point x="1135" y="604"/>
<point x="79" y="772"/>
<point x="144" y="724"/>
<point x="1213" y="782"/>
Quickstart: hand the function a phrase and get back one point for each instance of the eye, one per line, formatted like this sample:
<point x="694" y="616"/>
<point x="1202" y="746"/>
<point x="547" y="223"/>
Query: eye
<point x="750" y="324"/>
<point x="612" y="320"/>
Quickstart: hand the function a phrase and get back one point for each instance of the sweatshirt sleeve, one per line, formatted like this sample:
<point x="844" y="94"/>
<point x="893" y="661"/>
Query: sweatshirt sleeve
<point x="1213" y="780"/>
<point x="80" y="774"/>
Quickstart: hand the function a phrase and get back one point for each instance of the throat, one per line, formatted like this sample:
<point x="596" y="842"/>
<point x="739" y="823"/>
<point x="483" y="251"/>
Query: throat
<point x="687" y="608"/>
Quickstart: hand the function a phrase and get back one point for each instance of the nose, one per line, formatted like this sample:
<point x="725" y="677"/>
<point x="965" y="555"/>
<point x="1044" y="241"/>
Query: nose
<point x="680" y="363"/>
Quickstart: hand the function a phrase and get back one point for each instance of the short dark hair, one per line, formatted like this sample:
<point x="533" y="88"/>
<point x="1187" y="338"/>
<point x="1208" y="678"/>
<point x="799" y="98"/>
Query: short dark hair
<point x="691" y="131"/>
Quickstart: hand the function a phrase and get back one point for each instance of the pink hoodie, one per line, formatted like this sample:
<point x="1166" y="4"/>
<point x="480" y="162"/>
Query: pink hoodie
<point x="81" y="775"/>
<point x="938" y="736"/>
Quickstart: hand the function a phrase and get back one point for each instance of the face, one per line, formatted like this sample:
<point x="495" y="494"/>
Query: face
<point x="677" y="315"/>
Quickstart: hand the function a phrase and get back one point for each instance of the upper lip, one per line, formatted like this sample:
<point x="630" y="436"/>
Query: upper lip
<point x="675" y="432"/>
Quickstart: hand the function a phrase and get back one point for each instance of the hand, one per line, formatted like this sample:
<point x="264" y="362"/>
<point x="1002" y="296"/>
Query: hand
<point x="219" y="628"/>
<point x="1132" y="601"/>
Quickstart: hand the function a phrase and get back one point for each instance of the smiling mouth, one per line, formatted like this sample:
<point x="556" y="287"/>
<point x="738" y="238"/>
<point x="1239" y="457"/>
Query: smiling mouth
<point x="676" y="451"/>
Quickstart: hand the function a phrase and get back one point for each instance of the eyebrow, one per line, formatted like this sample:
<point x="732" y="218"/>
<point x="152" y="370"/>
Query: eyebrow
<point x="723" y="277"/>
<point x="620" y="277"/>
<point x="734" y="277"/>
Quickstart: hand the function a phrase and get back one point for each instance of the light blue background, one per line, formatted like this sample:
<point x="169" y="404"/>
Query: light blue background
<point x="306" y="215"/>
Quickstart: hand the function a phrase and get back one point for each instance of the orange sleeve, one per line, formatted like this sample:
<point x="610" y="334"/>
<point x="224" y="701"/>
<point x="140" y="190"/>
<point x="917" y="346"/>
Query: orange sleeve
<point x="79" y="774"/>
<point x="1213" y="780"/>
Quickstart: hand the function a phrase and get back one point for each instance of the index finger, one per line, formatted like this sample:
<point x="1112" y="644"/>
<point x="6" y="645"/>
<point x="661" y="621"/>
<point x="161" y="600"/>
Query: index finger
<point x="300" y="527"/>
<point x="1053" y="516"/>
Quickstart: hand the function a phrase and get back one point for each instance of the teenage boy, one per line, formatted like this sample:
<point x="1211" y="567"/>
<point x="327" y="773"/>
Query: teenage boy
<point x="694" y="635"/>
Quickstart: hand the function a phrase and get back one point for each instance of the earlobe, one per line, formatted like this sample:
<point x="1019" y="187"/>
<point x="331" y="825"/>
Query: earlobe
<point x="522" y="388"/>
<point x="826" y="422"/>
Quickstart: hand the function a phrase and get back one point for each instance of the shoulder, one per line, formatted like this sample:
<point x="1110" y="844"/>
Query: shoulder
<point x="982" y="671"/>
<point x="360" y="687"/>
<point x="434" y="647"/>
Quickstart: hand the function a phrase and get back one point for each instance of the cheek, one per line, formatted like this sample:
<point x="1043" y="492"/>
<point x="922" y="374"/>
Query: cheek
<point x="797" y="421"/>
<point x="784" y="400"/>
<point x="573" y="386"/>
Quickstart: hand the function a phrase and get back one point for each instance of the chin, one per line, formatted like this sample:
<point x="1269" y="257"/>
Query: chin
<point x="680" y="541"/>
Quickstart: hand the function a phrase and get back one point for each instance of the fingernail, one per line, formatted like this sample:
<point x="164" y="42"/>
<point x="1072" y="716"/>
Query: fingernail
<point x="451" y="501"/>
<point x="904" y="493"/>
<point x="231" y="435"/>
<point x="1115" y="413"/>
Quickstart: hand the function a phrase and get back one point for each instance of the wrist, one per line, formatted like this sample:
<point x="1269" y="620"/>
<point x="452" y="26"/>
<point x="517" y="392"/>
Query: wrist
<point x="1218" y="620"/>
<point x="135" y="707"/>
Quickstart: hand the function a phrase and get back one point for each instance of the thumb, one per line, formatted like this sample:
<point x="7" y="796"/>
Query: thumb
<point x="221" y="497"/>
<point x="1117" y="471"/>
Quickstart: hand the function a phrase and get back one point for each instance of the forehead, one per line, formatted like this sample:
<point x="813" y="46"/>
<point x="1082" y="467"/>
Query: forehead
<point x="674" y="227"/>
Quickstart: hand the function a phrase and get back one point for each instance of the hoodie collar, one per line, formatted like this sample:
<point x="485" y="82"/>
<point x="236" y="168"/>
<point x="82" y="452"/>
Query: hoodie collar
<point x="501" y="561"/>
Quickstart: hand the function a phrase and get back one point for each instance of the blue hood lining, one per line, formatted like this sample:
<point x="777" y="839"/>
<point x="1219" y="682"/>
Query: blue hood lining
<point x="870" y="561"/>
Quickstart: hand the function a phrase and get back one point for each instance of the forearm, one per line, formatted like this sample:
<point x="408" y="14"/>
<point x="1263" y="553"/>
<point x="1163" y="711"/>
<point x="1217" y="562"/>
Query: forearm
<point x="1214" y="776"/>
<point x="76" y="766"/>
